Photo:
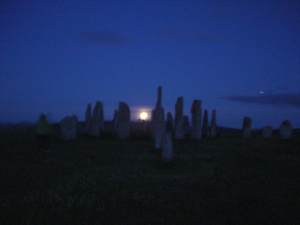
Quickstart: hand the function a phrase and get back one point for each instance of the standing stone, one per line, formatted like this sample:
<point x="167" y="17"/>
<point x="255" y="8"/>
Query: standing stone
<point x="97" y="120"/>
<point x="68" y="127"/>
<point x="114" y="120"/>
<point x="167" y="146"/>
<point x="186" y="125"/>
<point x="247" y="127"/>
<point x="158" y="120"/>
<point x="170" y="122"/>
<point x="267" y="132"/>
<point x="205" y="128"/>
<point x="196" y="120"/>
<point x="88" y="119"/>
<point x="123" y="121"/>
<point x="213" y="124"/>
<point x="159" y="97"/>
<point x="286" y="130"/>
<point x="179" y="109"/>
<point x="179" y="130"/>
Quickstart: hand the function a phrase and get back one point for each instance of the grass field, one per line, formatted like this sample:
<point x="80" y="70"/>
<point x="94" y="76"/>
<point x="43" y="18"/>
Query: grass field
<point x="224" y="181"/>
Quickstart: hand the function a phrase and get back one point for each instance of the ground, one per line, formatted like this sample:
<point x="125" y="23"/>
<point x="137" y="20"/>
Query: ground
<point x="227" y="180"/>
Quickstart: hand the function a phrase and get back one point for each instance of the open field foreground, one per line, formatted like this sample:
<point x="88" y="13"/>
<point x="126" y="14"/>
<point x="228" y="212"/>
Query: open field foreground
<point x="92" y="181"/>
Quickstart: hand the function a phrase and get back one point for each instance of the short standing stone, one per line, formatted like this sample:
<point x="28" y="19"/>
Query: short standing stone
<point x="114" y="121"/>
<point x="267" y="132"/>
<point x="247" y="127"/>
<point x="167" y="147"/>
<point x="196" y="111"/>
<point x="158" y="120"/>
<point x="97" y="120"/>
<point x="88" y="119"/>
<point x="68" y="127"/>
<point x="123" y="121"/>
<point x="205" y="128"/>
<point x="213" y="124"/>
<point x="286" y="130"/>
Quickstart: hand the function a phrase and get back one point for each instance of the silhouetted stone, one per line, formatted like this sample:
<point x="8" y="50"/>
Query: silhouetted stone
<point x="167" y="146"/>
<point x="213" y="124"/>
<point x="43" y="127"/>
<point x="97" y="120"/>
<point x="205" y="128"/>
<point x="196" y="111"/>
<point x="179" y="129"/>
<point x="123" y="121"/>
<point x="286" y="130"/>
<point x="247" y="127"/>
<point x="186" y="125"/>
<point x="170" y="123"/>
<point x="114" y="120"/>
<point x="158" y="120"/>
<point x="88" y="119"/>
<point x="267" y="132"/>
<point x="159" y="97"/>
<point x="68" y="127"/>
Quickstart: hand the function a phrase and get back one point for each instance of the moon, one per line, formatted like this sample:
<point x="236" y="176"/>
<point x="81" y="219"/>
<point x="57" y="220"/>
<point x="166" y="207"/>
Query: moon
<point x="144" y="116"/>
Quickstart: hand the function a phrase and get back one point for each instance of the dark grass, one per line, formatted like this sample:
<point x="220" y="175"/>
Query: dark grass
<point x="90" y="181"/>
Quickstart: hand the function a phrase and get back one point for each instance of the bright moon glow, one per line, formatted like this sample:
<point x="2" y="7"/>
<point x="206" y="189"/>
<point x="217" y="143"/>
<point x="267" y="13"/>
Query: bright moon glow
<point x="144" y="115"/>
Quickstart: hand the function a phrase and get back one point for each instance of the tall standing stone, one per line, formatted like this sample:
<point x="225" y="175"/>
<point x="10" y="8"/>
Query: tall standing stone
<point x="123" y="121"/>
<point x="286" y="130"/>
<point x="213" y="124"/>
<point x="247" y="127"/>
<point x="179" y="130"/>
<point x="97" y="120"/>
<point x="158" y="120"/>
<point x="196" y="111"/>
<point x="88" y="119"/>
<point x="68" y="127"/>
<point x="267" y="132"/>
<point x="205" y="128"/>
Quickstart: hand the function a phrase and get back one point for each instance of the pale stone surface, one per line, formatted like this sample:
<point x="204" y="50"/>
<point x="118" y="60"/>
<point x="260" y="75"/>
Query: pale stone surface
<point x="88" y="119"/>
<point x="97" y="120"/>
<point x="196" y="111"/>
<point x="167" y="146"/>
<point x="213" y="124"/>
<point x="158" y="120"/>
<point x="179" y="128"/>
<point x="205" y="128"/>
<point x="247" y="127"/>
<point x="68" y="127"/>
<point x="267" y="132"/>
<point x="123" y="121"/>
<point x="286" y="130"/>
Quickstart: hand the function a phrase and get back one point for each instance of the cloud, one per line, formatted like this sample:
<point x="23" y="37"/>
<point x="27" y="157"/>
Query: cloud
<point x="292" y="100"/>
<point x="104" y="38"/>
<point x="189" y="36"/>
<point x="109" y="38"/>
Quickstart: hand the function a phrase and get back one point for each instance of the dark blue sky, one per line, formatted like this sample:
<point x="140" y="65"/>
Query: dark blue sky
<point x="56" y="56"/>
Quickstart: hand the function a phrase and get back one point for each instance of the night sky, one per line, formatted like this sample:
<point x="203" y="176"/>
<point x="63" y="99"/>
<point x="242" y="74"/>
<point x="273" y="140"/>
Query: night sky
<point x="240" y="57"/>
